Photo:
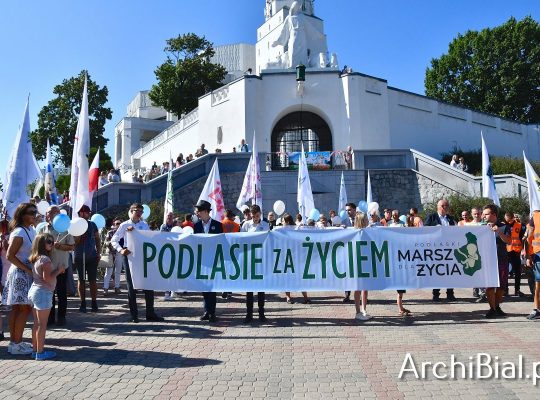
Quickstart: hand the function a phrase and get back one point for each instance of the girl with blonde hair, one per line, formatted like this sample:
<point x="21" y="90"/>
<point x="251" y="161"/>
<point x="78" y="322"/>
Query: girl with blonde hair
<point x="41" y="292"/>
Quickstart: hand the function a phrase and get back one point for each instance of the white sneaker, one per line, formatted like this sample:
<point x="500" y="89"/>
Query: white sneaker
<point x="363" y="316"/>
<point x="10" y="347"/>
<point x="20" y="349"/>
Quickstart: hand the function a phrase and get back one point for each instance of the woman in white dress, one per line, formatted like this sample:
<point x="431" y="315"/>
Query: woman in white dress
<point x="19" y="278"/>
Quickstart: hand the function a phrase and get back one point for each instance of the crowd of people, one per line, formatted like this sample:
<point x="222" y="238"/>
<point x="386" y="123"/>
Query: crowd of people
<point x="37" y="281"/>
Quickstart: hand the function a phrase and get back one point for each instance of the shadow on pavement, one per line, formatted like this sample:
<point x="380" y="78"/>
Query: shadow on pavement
<point x="148" y="359"/>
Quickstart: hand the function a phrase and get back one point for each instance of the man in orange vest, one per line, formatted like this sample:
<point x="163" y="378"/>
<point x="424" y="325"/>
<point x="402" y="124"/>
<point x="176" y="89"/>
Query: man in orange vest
<point x="533" y="261"/>
<point x="514" y="250"/>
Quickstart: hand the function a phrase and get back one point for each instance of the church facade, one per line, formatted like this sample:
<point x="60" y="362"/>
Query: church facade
<point x="333" y="109"/>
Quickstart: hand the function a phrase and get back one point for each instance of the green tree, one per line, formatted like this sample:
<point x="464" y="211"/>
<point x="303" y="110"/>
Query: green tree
<point x="495" y="71"/>
<point x="57" y="121"/>
<point x="186" y="75"/>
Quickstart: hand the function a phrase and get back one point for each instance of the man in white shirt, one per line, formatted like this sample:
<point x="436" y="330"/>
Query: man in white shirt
<point x="119" y="242"/>
<point x="243" y="146"/>
<point x="255" y="224"/>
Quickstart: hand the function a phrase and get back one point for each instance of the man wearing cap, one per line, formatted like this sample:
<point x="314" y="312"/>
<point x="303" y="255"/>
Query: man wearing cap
<point x="209" y="226"/>
<point x="119" y="242"/>
<point x="87" y="255"/>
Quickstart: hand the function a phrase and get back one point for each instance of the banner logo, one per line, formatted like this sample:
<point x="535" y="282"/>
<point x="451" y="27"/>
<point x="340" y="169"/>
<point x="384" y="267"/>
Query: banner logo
<point x="468" y="255"/>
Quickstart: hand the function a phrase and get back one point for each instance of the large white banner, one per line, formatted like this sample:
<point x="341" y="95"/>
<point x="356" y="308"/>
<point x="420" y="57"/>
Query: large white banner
<point x="315" y="260"/>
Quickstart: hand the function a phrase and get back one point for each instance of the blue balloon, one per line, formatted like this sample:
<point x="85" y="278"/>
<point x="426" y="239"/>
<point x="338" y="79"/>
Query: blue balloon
<point x="99" y="220"/>
<point x="61" y="223"/>
<point x="363" y="206"/>
<point x="403" y="218"/>
<point x="343" y="215"/>
<point x="146" y="211"/>
<point x="314" y="214"/>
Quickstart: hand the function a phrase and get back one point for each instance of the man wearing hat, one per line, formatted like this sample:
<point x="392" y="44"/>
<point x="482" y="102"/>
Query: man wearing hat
<point x="87" y="255"/>
<point x="209" y="226"/>
<point x="119" y="242"/>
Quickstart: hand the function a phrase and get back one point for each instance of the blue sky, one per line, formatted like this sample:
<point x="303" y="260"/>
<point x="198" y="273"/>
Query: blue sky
<point x="121" y="42"/>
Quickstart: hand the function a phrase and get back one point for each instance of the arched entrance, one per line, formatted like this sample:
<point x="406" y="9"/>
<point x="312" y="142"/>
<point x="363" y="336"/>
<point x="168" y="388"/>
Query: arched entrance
<point x="296" y="128"/>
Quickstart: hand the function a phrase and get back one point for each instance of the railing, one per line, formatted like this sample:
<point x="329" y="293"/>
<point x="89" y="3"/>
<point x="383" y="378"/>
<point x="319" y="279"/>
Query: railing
<point x="174" y="130"/>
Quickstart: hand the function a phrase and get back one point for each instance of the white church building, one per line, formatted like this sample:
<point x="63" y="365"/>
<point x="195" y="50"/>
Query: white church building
<point x="331" y="110"/>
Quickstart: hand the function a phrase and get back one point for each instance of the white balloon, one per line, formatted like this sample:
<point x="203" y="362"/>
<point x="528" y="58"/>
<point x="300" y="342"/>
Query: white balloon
<point x="373" y="208"/>
<point x="42" y="207"/>
<point x="188" y="230"/>
<point x="177" y="229"/>
<point x="279" y="207"/>
<point x="63" y="212"/>
<point x="78" y="226"/>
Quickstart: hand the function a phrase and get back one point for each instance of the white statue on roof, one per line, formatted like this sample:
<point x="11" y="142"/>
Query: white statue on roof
<point x="296" y="34"/>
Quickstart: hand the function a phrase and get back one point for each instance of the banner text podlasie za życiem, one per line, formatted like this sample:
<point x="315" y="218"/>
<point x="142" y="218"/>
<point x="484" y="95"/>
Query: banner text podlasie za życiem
<point x="315" y="260"/>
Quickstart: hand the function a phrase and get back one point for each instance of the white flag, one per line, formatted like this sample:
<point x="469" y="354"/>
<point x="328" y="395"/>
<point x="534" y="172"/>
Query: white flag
<point x="22" y="169"/>
<point x="50" y="179"/>
<point x="488" y="183"/>
<point x="78" y="191"/>
<point x="369" y="195"/>
<point x="305" y="195"/>
<point x="169" y="196"/>
<point x="342" y="194"/>
<point x="533" y="188"/>
<point x="251" y="188"/>
<point x="212" y="193"/>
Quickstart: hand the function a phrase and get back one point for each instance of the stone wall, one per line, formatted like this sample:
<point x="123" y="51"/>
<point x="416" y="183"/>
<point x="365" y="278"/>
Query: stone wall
<point x="403" y="189"/>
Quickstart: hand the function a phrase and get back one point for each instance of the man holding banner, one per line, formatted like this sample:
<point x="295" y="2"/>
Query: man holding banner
<point x="256" y="224"/>
<point x="442" y="218"/>
<point x="209" y="226"/>
<point x="119" y="242"/>
<point x="503" y="232"/>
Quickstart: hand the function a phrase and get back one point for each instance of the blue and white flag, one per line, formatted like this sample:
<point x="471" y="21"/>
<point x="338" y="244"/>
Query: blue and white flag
<point x="22" y="169"/>
<point x="369" y="195"/>
<point x="533" y="186"/>
<point x="488" y="183"/>
<point x="305" y="195"/>
<point x="342" y="194"/>
<point x="50" y="179"/>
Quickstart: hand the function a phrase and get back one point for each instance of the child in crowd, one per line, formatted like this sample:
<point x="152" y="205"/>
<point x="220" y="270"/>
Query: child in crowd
<point x="41" y="292"/>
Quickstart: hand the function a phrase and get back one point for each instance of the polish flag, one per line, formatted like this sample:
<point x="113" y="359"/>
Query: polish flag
<point x="93" y="174"/>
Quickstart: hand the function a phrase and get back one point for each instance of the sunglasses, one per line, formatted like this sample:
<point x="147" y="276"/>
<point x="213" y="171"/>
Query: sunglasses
<point x="49" y="241"/>
<point x="137" y="210"/>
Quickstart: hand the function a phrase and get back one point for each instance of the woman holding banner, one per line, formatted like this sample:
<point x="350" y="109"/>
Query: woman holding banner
<point x="361" y="222"/>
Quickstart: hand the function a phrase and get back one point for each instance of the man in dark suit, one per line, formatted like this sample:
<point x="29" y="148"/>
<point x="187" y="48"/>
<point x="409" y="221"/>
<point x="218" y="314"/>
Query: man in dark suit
<point x="441" y="218"/>
<point x="209" y="226"/>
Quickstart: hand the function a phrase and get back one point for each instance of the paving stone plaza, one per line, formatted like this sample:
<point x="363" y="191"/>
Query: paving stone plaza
<point x="312" y="351"/>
